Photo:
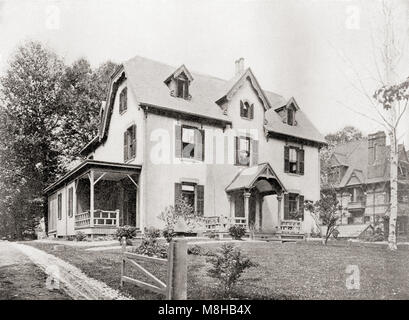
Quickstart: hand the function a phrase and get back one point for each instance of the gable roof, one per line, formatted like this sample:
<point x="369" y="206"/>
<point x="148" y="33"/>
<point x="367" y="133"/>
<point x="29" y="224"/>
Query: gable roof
<point x="146" y="80"/>
<point x="178" y="72"/>
<point x="354" y="155"/>
<point x="245" y="178"/>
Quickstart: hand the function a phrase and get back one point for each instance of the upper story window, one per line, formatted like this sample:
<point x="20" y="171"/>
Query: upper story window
<point x="243" y="151"/>
<point x="293" y="160"/>
<point x="123" y="103"/>
<point x="130" y="143"/>
<point x="246" y="110"/>
<point x="189" y="142"/>
<point x="291" y="116"/>
<point x="182" y="87"/>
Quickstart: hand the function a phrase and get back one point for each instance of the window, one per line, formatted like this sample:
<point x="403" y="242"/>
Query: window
<point x="189" y="142"/>
<point x="130" y="143"/>
<point x="291" y="116"/>
<point x="59" y="201"/>
<point x="193" y="194"/>
<point x="123" y="97"/>
<point x="293" y="160"/>
<point x="182" y="87"/>
<point x="243" y="151"/>
<point x="293" y="206"/>
<point x="246" y="110"/>
<point x="70" y="201"/>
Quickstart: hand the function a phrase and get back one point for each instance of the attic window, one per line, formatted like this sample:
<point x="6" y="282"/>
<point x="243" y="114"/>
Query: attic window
<point x="246" y="110"/>
<point x="291" y="116"/>
<point x="182" y="87"/>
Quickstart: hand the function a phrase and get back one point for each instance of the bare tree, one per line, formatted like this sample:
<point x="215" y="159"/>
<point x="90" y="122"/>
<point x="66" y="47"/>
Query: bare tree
<point x="389" y="103"/>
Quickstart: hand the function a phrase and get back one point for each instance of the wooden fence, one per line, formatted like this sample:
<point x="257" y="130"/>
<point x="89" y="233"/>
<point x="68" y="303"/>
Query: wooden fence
<point x="175" y="287"/>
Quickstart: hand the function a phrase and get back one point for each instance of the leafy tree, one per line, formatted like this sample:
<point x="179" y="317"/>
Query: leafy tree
<point x="326" y="208"/>
<point x="31" y="113"/>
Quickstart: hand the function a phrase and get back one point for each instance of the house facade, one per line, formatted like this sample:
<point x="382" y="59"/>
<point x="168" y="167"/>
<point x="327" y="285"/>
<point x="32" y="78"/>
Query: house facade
<point x="361" y="172"/>
<point x="237" y="153"/>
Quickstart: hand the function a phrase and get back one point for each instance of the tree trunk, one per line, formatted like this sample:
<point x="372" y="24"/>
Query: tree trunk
<point x="393" y="215"/>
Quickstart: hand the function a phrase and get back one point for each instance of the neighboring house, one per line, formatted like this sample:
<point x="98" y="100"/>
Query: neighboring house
<point x="360" y="175"/>
<point x="237" y="153"/>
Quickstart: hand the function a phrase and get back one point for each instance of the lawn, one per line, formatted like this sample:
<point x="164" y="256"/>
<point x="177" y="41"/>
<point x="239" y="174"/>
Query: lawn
<point x="301" y="270"/>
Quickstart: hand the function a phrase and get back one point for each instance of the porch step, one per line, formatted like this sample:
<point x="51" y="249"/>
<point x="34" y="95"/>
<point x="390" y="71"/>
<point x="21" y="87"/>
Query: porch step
<point x="292" y="237"/>
<point x="283" y="237"/>
<point x="267" y="237"/>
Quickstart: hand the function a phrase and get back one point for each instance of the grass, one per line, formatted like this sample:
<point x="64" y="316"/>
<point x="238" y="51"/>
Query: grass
<point x="286" y="271"/>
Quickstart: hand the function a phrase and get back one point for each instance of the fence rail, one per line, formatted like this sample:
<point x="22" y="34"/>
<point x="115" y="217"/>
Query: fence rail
<point x="175" y="287"/>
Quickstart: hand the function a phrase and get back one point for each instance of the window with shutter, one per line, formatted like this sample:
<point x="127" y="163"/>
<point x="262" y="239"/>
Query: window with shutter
<point x="243" y="145"/>
<point x="286" y="207"/>
<point x="178" y="191"/>
<point x="301" y="161"/>
<point x="301" y="207"/>
<point x="123" y="101"/>
<point x="286" y="159"/>
<point x="254" y="150"/>
<point x="59" y="208"/>
<point x="125" y="146"/>
<point x="70" y="201"/>
<point x="190" y="142"/>
<point x="133" y="141"/>
<point x="200" y="200"/>
<point x="246" y="110"/>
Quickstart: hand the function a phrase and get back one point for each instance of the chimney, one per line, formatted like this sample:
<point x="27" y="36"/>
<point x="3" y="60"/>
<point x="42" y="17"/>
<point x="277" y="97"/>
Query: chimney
<point x="376" y="146"/>
<point x="239" y="64"/>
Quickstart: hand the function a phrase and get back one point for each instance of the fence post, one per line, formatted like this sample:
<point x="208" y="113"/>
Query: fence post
<point x="177" y="270"/>
<point x="123" y="260"/>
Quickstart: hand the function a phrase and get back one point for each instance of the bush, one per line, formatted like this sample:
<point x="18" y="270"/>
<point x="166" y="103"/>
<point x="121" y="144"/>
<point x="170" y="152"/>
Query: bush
<point x="196" y="250"/>
<point x="150" y="245"/>
<point x="228" y="264"/>
<point x="168" y="234"/>
<point x="335" y="233"/>
<point x="126" y="231"/>
<point x="237" y="232"/>
<point x="80" y="236"/>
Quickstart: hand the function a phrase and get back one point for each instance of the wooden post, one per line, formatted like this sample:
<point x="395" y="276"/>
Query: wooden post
<point x="123" y="260"/>
<point x="279" y="198"/>
<point x="177" y="270"/>
<point x="117" y="218"/>
<point x="91" y="205"/>
<point x="246" y="196"/>
<point x="231" y="218"/>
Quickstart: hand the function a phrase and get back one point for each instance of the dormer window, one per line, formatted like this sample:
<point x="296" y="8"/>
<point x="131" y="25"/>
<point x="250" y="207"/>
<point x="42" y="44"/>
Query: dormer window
<point x="178" y="83"/>
<point x="123" y="103"/>
<point x="290" y="116"/>
<point x="246" y="110"/>
<point x="182" y="87"/>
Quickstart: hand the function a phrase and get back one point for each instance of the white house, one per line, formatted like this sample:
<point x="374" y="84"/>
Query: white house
<point x="239" y="154"/>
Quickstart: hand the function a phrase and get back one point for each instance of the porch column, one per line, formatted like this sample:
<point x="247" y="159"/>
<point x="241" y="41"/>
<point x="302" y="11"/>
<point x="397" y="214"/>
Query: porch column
<point x="279" y="198"/>
<point x="259" y="213"/>
<point x="231" y="213"/>
<point x="91" y="204"/>
<point x="246" y="196"/>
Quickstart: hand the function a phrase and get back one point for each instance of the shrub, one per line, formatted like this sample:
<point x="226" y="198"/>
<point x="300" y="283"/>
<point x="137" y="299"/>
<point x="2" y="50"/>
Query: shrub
<point x="168" y="234"/>
<point x="181" y="210"/>
<point x="237" y="232"/>
<point x="196" y="250"/>
<point x="335" y="233"/>
<point x="126" y="231"/>
<point x="80" y="236"/>
<point x="150" y="245"/>
<point x="228" y="264"/>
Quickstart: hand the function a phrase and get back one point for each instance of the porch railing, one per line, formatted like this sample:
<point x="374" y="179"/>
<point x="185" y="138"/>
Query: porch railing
<point x="290" y="226"/>
<point x="101" y="218"/>
<point x="222" y="223"/>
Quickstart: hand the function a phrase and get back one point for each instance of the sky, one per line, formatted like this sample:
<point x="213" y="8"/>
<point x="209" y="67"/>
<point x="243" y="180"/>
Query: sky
<point x="321" y="52"/>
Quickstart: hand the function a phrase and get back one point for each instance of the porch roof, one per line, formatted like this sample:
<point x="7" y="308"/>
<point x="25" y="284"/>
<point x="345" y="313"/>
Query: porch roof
<point x="88" y="165"/>
<point x="247" y="178"/>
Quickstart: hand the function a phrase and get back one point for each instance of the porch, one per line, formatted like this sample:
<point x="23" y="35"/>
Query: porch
<point x="247" y="194"/>
<point x="95" y="198"/>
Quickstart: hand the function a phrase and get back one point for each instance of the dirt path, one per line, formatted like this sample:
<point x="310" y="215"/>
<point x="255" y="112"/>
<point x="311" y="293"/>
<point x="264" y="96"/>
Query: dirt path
<point x="20" y="279"/>
<point x="77" y="285"/>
